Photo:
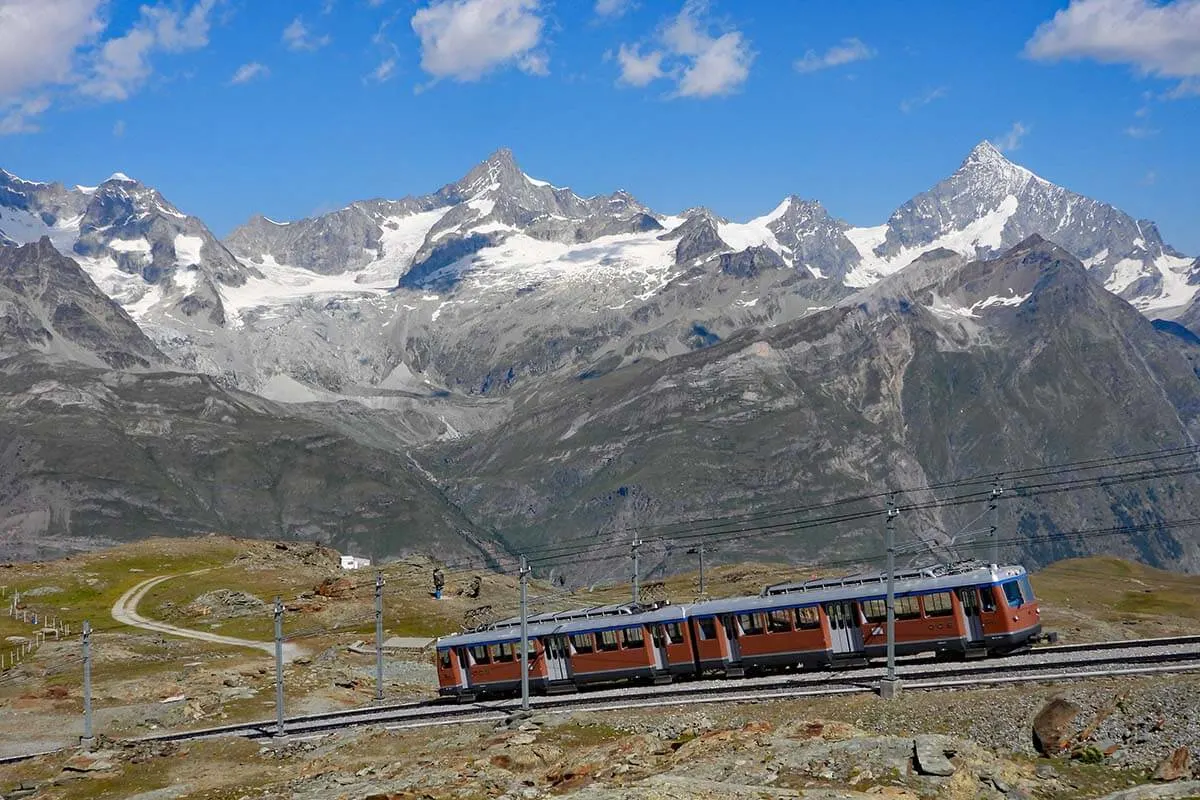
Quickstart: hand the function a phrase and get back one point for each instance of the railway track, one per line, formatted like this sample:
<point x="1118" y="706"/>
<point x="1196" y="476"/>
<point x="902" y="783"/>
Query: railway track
<point x="1057" y="663"/>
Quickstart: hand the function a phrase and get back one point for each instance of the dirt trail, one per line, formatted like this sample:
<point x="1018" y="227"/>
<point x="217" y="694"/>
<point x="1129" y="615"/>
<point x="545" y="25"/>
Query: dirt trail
<point x="125" y="612"/>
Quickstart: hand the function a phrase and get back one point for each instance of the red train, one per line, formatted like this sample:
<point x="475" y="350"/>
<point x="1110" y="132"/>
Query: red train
<point x="969" y="609"/>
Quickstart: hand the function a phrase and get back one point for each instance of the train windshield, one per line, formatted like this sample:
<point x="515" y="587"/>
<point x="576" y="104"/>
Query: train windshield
<point x="1018" y="592"/>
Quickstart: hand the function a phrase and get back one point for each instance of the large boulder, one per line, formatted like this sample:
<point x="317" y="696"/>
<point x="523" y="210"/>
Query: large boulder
<point x="1174" y="767"/>
<point x="1054" y="726"/>
<point x="930" y="755"/>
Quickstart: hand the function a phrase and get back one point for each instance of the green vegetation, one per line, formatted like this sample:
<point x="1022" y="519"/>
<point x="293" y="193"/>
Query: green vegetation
<point x="91" y="583"/>
<point x="1104" y="597"/>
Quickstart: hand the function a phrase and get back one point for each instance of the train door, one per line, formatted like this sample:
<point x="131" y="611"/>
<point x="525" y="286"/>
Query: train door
<point x="845" y="633"/>
<point x="969" y="597"/>
<point x="461" y="665"/>
<point x="731" y="636"/>
<point x="659" y="641"/>
<point x="557" y="667"/>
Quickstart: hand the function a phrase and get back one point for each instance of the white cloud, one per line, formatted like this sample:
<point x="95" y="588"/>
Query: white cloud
<point x="1012" y="140"/>
<point x="384" y="71"/>
<point x="248" y="72"/>
<point x="913" y="103"/>
<point x="297" y="36"/>
<point x="1160" y="39"/>
<point x="702" y="65"/>
<point x="846" y="52"/>
<point x="39" y="40"/>
<point x="176" y="32"/>
<point x="720" y="68"/>
<point x="122" y="64"/>
<point x="119" y="128"/>
<point x="638" y="69"/>
<point x="1140" y="132"/>
<point x="612" y="8"/>
<point x="1150" y="178"/>
<point x="19" y="118"/>
<point x="1189" y="87"/>
<point x="467" y="39"/>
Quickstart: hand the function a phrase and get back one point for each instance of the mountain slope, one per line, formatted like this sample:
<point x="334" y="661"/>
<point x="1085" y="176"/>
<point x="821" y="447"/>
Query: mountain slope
<point x="98" y="448"/>
<point x="47" y="303"/>
<point x="968" y="368"/>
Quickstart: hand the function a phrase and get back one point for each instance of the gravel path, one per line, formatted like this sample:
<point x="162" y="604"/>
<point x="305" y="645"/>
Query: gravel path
<point x="124" y="611"/>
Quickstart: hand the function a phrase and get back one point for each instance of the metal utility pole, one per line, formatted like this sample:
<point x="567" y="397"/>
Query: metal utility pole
<point x="279" y="732"/>
<point x="889" y="687"/>
<point x="637" y="594"/>
<point x="993" y="510"/>
<point x="699" y="550"/>
<point x="524" y="634"/>
<point x="379" y="636"/>
<point x="87" y="741"/>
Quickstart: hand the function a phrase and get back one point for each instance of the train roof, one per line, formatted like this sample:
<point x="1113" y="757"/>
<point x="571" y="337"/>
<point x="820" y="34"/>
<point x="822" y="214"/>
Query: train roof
<point x="596" y="618"/>
<point x="869" y="584"/>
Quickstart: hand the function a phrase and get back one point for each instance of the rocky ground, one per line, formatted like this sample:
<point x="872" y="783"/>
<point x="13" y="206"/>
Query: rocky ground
<point x="861" y="747"/>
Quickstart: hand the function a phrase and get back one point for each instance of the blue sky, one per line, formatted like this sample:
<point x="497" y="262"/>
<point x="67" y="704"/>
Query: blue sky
<point x="234" y="107"/>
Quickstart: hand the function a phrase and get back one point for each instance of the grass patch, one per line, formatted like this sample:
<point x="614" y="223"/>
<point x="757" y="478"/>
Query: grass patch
<point x="1085" y="593"/>
<point x="91" y="583"/>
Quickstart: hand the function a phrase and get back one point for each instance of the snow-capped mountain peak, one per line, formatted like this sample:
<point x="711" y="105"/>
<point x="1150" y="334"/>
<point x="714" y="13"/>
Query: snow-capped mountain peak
<point x="139" y="248"/>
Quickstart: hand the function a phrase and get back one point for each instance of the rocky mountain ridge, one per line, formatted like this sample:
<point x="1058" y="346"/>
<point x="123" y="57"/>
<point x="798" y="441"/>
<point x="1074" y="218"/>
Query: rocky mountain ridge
<point x="161" y="264"/>
<point x="549" y="363"/>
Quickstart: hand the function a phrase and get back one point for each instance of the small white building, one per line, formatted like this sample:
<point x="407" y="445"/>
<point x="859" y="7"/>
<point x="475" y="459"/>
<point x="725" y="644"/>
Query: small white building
<point x="354" y="562"/>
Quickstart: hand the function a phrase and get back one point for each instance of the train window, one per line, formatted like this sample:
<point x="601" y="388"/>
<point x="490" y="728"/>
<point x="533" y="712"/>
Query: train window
<point x="504" y="652"/>
<point x="607" y="640"/>
<point x="583" y="642"/>
<point x="674" y="632"/>
<point x="752" y="624"/>
<point x="907" y="608"/>
<point x="1012" y="593"/>
<point x="778" y="621"/>
<point x="708" y="628"/>
<point x="987" y="598"/>
<point x="634" y="636"/>
<point x="874" y="610"/>
<point x="938" y="604"/>
<point x="1026" y="589"/>
<point x="807" y="618"/>
<point x="444" y="658"/>
<point x="479" y="654"/>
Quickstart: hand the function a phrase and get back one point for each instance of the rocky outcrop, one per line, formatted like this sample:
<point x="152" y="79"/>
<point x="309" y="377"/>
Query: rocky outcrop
<point x="751" y="262"/>
<point x="50" y="306"/>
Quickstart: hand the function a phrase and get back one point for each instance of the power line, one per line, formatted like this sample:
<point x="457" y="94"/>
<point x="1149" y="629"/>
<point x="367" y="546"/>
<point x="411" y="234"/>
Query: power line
<point x="720" y="524"/>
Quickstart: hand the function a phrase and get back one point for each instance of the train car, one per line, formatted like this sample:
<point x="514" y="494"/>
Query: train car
<point x="568" y="650"/>
<point x="963" y="610"/>
<point x="969" y="609"/>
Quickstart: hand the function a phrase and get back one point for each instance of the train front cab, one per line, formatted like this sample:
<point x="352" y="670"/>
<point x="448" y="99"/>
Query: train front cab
<point x="1015" y="619"/>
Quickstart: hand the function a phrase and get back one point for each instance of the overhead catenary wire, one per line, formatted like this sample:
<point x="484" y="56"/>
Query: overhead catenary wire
<point x="975" y="480"/>
<point x="792" y="526"/>
<point x="567" y="549"/>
